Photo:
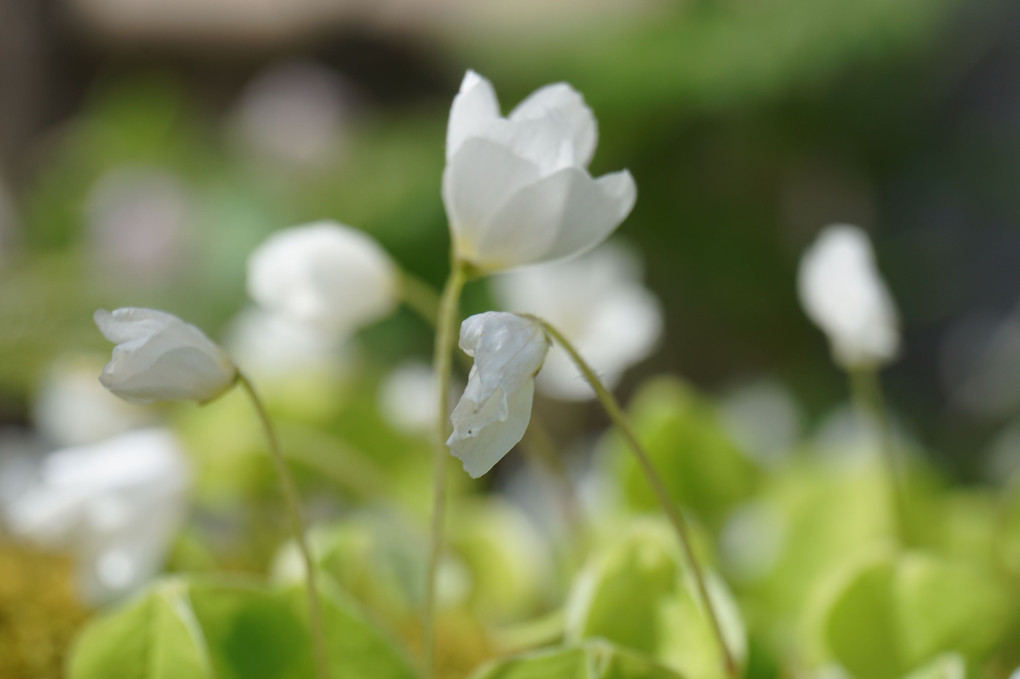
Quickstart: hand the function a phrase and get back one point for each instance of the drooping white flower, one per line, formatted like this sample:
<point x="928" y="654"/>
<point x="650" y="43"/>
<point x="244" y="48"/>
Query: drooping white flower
<point x="843" y="293"/>
<point x="325" y="274"/>
<point x="517" y="189"/>
<point x="114" y="505"/>
<point x="159" y="357"/>
<point x="598" y="302"/>
<point x="495" y="409"/>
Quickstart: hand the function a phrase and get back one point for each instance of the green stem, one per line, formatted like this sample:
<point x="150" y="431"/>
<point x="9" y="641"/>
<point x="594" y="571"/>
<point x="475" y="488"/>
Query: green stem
<point x="297" y="526"/>
<point x="866" y="391"/>
<point x="446" y="333"/>
<point x="420" y="297"/>
<point x="616" y="414"/>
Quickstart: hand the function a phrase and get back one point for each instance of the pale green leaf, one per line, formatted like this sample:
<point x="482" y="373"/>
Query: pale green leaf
<point x="639" y="594"/>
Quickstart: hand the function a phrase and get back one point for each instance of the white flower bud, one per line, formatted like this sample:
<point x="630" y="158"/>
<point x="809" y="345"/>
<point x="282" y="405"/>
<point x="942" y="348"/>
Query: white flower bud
<point x="517" y="189"/>
<point x="495" y="409"/>
<point x="324" y="274"/>
<point x="159" y="357"/>
<point x="843" y="293"/>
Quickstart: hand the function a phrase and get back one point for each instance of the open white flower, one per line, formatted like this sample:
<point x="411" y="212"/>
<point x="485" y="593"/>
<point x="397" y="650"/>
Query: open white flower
<point x="115" y="505"/>
<point x="598" y="302"/>
<point x="159" y="357"/>
<point x="843" y="293"/>
<point x="324" y="274"/>
<point x="495" y="409"/>
<point x="517" y="189"/>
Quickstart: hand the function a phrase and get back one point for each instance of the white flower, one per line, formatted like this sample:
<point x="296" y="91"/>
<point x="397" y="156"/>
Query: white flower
<point x="495" y="409"/>
<point x="115" y="505"/>
<point x="407" y="398"/>
<point x="159" y="357"/>
<point x="517" y="189"/>
<point x="843" y="293"/>
<point x="272" y="346"/>
<point x="324" y="274"/>
<point x="598" y="302"/>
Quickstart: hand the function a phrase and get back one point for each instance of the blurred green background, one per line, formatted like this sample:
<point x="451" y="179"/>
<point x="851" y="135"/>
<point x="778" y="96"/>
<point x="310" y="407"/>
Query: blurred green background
<point x="137" y="168"/>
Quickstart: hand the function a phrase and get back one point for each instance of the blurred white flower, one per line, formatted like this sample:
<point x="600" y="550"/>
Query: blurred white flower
<point x="115" y="505"/>
<point x="763" y="419"/>
<point x="517" y="189"/>
<point x="71" y="407"/>
<point x="159" y="357"/>
<point x="843" y="293"/>
<point x="495" y="409"/>
<point x="324" y="274"/>
<point x="138" y="222"/>
<point x="598" y="302"/>
<point x="270" y="345"/>
<point x="407" y="398"/>
<point x="293" y="114"/>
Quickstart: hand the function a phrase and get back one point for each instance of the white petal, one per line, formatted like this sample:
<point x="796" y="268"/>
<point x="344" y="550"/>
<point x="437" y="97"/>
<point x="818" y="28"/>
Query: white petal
<point x="843" y="293"/>
<point x="324" y="274"/>
<point x="476" y="183"/>
<point x="130" y="323"/>
<point x="480" y="449"/>
<point x="495" y="409"/>
<point x="560" y="216"/>
<point x="162" y="358"/>
<point x="564" y="102"/>
<point x="473" y="109"/>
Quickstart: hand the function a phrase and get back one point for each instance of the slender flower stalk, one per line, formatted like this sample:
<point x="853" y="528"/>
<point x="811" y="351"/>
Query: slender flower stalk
<point x="297" y="526"/>
<point x="419" y="296"/>
<point x="676" y="518"/>
<point x="866" y="391"/>
<point x="446" y="332"/>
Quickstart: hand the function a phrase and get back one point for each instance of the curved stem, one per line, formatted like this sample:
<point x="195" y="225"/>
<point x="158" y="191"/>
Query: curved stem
<point x="446" y="329"/>
<point x="420" y="297"/>
<point x="866" y="391"/>
<point x="297" y="526"/>
<point x="616" y="414"/>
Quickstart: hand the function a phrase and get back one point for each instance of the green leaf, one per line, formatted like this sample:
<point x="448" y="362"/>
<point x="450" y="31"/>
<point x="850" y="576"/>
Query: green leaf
<point x="155" y="636"/>
<point x="252" y="632"/>
<point x="592" y="660"/>
<point x="639" y="594"/>
<point x="700" y="465"/>
<point x="213" y="630"/>
<point x="357" y="649"/>
<point x="889" y="614"/>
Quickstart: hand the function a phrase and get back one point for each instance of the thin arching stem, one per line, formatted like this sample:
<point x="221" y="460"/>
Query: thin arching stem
<point x="866" y="391"/>
<point x="676" y="518"/>
<point x="446" y="332"/>
<point x="297" y="526"/>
